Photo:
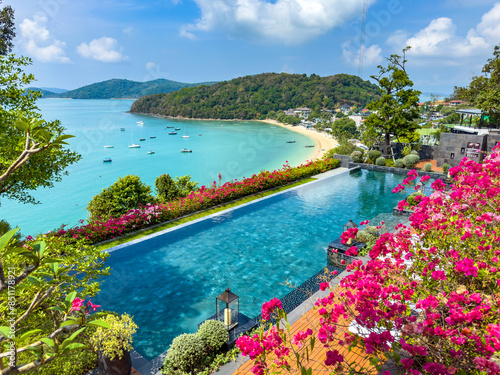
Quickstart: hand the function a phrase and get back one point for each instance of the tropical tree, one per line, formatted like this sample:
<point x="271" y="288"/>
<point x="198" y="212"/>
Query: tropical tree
<point x="25" y="138"/>
<point x="7" y="32"/>
<point x="41" y="317"/>
<point x="394" y="113"/>
<point x="344" y="129"/>
<point x="127" y="193"/>
<point x="484" y="90"/>
<point x="169" y="189"/>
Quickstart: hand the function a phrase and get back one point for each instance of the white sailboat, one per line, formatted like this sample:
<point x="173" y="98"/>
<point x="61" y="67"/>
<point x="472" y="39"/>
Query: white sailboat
<point x="133" y="145"/>
<point x="108" y="145"/>
<point x="140" y="123"/>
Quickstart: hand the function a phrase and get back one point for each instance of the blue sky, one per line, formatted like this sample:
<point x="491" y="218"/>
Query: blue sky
<point x="74" y="43"/>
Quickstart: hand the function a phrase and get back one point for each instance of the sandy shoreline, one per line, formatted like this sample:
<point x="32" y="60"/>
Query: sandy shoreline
<point x="323" y="141"/>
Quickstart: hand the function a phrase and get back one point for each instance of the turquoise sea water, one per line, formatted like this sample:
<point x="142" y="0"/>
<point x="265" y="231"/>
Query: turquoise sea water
<point x="235" y="149"/>
<point x="169" y="283"/>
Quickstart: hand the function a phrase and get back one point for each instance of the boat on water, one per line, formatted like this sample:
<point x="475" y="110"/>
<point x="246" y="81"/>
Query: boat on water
<point x="134" y="145"/>
<point x="169" y="127"/>
<point x="140" y="123"/>
<point x="185" y="150"/>
<point x="172" y="133"/>
<point x="308" y="146"/>
<point x="142" y="139"/>
<point x="109" y="146"/>
<point x="177" y="128"/>
<point x="153" y="136"/>
<point x="185" y="136"/>
<point x="150" y="152"/>
<point x="290" y="141"/>
<point x="122" y="129"/>
<point x="199" y="135"/>
<point x="107" y="160"/>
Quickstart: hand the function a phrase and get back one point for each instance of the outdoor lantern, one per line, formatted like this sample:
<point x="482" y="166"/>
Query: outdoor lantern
<point x="349" y="225"/>
<point x="227" y="308"/>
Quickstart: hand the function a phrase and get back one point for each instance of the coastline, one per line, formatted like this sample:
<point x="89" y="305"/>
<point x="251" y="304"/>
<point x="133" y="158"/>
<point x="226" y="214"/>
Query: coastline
<point x="323" y="141"/>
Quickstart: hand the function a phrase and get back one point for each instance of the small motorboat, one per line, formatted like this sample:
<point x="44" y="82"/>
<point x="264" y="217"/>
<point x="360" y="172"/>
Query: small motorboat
<point x="199" y="135"/>
<point x="109" y="146"/>
<point x="290" y="141"/>
<point x="185" y="136"/>
<point x="169" y="127"/>
<point x="122" y="129"/>
<point x="133" y="145"/>
<point x="308" y="146"/>
<point x="172" y="133"/>
<point x="185" y="150"/>
<point x="153" y="136"/>
<point x="142" y="139"/>
<point x="140" y="123"/>
<point x="107" y="160"/>
<point x="177" y="128"/>
<point x="150" y="152"/>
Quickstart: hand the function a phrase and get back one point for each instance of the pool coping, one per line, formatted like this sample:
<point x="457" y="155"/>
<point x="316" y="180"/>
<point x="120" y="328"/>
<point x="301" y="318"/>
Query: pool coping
<point x="318" y="177"/>
<point x="141" y="364"/>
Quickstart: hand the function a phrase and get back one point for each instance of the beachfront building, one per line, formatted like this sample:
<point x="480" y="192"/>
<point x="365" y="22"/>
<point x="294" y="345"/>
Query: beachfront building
<point x="345" y="108"/>
<point x="290" y="112"/>
<point x="303" y="112"/>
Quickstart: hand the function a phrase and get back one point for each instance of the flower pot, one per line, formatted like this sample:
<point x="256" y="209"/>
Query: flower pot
<point x="117" y="366"/>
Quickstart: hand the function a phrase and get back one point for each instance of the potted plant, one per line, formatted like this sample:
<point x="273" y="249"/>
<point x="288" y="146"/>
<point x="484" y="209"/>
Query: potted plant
<point x="114" y="344"/>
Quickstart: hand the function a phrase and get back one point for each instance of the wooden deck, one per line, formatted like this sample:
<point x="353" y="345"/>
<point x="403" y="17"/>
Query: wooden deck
<point x="135" y="372"/>
<point x="316" y="359"/>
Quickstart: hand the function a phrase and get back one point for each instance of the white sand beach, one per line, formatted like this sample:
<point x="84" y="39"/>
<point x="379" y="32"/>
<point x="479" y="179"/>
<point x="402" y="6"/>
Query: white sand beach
<point x="323" y="140"/>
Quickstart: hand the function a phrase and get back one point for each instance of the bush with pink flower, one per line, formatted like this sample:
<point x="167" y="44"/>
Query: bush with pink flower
<point x="428" y="298"/>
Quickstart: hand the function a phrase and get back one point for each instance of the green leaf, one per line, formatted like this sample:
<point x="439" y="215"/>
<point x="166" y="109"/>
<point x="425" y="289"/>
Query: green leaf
<point x="313" y="341"/>
<point x="68" y="322"/>
<point x="57" y="308"/>
<point x="73" y="346"/>
<point x="298" y="359"/>
<point x="5" y="331"/>
<point x="51" y="260"/>
<point x="49" y="342"/>
<point x="35" y="280"/>
<point x="98" y="323"/>
<point x="29" y="333"/>
<point x="69" y="298"/>
<point x="70" y="339"/>
<point x="13" y="251"/>
<point x="6" y="237"/>
<point x="39" y="248"/>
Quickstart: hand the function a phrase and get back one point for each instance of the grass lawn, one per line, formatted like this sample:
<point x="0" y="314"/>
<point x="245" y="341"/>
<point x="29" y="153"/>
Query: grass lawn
<point x="144" y="232"/>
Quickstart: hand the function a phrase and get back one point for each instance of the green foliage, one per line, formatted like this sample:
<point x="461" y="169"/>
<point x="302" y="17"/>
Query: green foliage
<point x="214" y="334"/>
<point x="406" y="150"/>
<point x="20" y="119"/>
<point x="394" y="113"/>
<point x="186" y="353"/>
<point x="251" y="97"/>
<point x="116" y="339"/>
<point x="446" y="168"/>
<point x="364" y="236"/>
<point x="372" y="230"/>
<point x="411" y="198"/>
<point x="357" y="156"/>
<point x="399" y="163"/>
<point x="374" y="154"/>
<point x="125" y="194"/>
<point x="5" y="227"/>
<point x="123" y="88"/>
<point x="380" y="161"/>
<point x="428" y="167"/>
<point x="344" y="129"/>
<point x="344" y="149"/>
<point x="389" y="163"/>
<point x="78" y="362"/>
<point x="411" y="160"/>
<point x="169" y="189"/>
<point x="484" y="90"/>
<point x="291" y="120"/>
<point x="414" y="152"/>
<point x="7" y="33"/>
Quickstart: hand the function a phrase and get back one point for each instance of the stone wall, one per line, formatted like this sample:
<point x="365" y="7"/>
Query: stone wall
<point x="344" y="160"/>
<point x="453" y="148"/>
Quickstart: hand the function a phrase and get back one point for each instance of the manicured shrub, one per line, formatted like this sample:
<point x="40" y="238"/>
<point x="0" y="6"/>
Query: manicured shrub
<point x="411" y="160"/>
<point x="214" y="334"/>
<point x="428" y="167"/>
<point x="374" y="154"/>
<point x="364" y="236"/>
<point x="414" y="152"/>
<point x="380" y="161"/>
<point x="446" y="168"/>
<point x="399" y="163"/>
<point x="357" y="157"/>
<point x="186" y="352"/>
<point x="389" y="162"/>
<point x="116" y="339"/>
<point x="411" y="198"/>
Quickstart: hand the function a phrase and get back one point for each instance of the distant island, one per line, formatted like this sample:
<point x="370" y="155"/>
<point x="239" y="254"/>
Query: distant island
<point x="119" y="89"/>
<point x="255" y="97"/>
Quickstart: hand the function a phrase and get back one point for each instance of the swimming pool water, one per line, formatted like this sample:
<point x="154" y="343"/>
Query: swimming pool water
<point x="169" y="283"/>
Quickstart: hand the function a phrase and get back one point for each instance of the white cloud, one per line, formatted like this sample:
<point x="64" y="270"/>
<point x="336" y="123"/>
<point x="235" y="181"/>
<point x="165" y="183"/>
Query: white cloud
<point x="128" y="30"/>
<point x="372" y="55"/>
<point x="282" y="21"/>
<point x="150" y="66"/>
<point x="103" y="49"/>
<point x="440" y="39"/>
<point x="39" y="43"/>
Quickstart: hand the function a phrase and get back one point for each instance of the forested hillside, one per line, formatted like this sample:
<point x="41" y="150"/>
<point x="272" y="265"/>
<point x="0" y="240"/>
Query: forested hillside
<point x="253" y="97"/>
<point x="123" y="88"/>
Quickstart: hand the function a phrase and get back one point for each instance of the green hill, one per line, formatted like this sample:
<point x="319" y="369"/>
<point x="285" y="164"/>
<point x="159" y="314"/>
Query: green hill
<point x="122" y="88"/>
<point x="253" y="97"/>
<point x="45" y="93"/>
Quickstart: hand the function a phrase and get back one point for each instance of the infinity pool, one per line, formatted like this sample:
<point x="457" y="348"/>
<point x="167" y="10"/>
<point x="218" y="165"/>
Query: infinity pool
<point x="169" y="283"/>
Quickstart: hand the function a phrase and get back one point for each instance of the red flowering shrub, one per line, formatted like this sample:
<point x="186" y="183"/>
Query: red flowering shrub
<point x="202" y="199"/>
<point x="428" y="300"/>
